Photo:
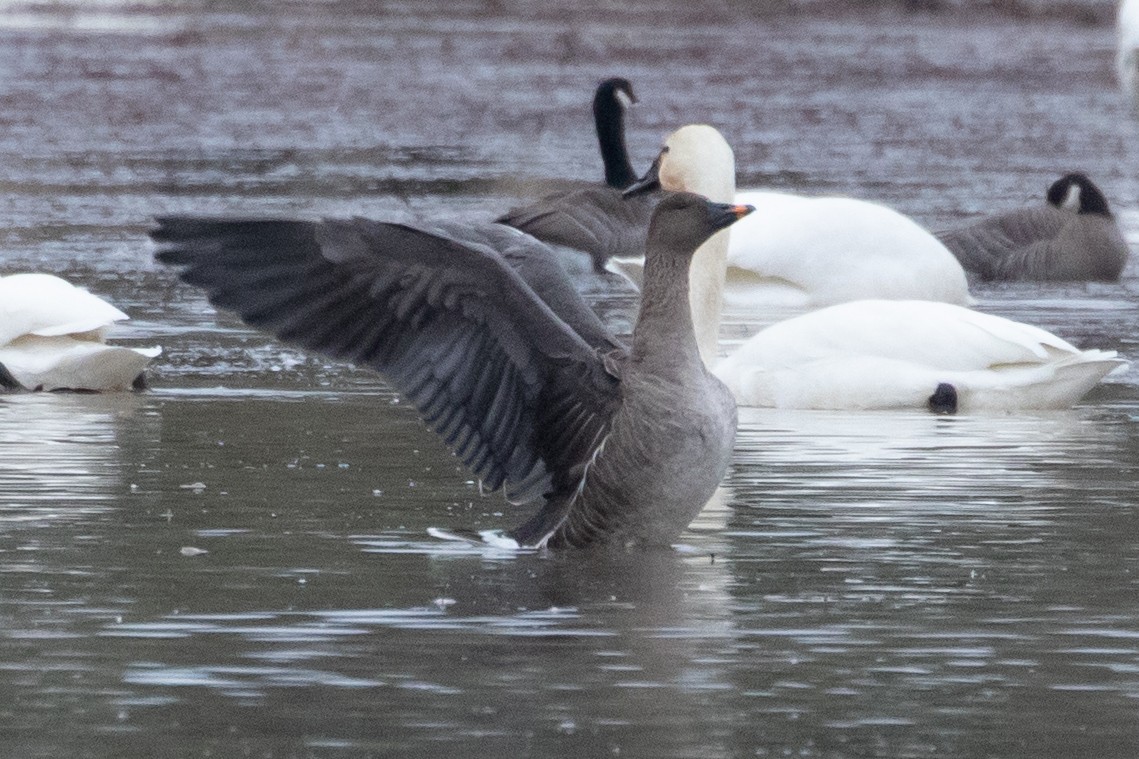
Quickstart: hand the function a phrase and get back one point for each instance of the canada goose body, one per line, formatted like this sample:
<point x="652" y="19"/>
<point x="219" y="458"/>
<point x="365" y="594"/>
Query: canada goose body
<point x="595" y="221"/>
<point x="1071" y="236"/>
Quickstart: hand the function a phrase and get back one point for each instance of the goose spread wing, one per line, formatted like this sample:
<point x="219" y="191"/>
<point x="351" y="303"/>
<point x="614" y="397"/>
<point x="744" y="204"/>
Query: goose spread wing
<point x="517" y="395"/>
<point x="597" y="220"/>
<point x="536" y="264"/>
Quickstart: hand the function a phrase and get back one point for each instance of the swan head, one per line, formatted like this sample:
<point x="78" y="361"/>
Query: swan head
<point x="1075" y="192"/>
<point x="695" y="158"/>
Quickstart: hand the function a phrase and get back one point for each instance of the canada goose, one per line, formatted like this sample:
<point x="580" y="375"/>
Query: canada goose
<point x="595" y="220"/>
<point x="52" y="337"/>
<point x="867" y="353"/>
<point x="613" y="96"/>
<point x="1071" y="236"/>
<point x="617" y="446"/>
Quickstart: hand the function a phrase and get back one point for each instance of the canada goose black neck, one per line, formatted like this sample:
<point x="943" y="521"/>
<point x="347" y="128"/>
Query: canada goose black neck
<point x="609" y="119"/>
<point x="1077" y="188"/>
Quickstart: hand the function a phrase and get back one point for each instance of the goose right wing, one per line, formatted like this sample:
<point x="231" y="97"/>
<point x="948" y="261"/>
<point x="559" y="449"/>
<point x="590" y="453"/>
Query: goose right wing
<point x="515" y="393"/>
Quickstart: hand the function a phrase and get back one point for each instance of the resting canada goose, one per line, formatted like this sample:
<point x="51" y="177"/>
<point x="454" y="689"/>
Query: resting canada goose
<point x="595" y="220"/>
<point x="868" y="353"/>
<point x="1071" y="236"/>
<point x="618" y="447"/>
<point x="52" y="337"/>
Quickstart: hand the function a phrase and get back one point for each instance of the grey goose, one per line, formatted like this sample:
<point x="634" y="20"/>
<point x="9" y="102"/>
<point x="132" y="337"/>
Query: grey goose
<point x="612" y="445"/>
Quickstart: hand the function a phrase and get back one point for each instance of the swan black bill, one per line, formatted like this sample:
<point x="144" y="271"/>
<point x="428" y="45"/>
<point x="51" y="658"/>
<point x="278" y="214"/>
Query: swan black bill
<point x="7" y="381"/>
<point x="649" y="182"/>
<point x="944" y="400"/>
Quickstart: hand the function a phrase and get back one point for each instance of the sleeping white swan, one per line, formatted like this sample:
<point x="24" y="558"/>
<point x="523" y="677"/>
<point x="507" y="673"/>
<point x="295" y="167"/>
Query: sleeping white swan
<point x="896" y="353"/>
<point x="1127" y="50"/>
<point x="806" y="252"/>
<point x="867" y="354"/>
<point x="52" y="338"/>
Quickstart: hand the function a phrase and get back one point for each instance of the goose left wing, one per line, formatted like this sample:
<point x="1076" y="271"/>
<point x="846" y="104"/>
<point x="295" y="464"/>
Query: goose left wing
<point x="597" y="220"/>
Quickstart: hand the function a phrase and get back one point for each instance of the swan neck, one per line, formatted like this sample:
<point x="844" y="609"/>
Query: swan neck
<point x="705" y="294"/>
<point x="710" y="266"/>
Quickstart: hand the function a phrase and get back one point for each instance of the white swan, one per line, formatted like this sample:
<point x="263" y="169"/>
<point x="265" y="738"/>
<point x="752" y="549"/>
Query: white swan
<point x="1127" y="51"/>
<point x="868" y="353"/>
<point x="806" y="252"/>
<point x="879" y="354"/>
<point x="52" y="338"/>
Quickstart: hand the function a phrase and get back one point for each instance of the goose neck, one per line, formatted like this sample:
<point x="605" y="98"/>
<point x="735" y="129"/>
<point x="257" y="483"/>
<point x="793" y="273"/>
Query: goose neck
<point x="609" y="120"/>
<point x="664" y="332"/>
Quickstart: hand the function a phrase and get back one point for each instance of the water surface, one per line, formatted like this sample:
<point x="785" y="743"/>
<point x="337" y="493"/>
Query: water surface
<point x="237" y="562"/>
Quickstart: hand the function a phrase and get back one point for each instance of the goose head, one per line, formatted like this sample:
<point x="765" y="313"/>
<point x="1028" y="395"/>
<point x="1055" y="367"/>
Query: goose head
<point x="1075" y="192"/>
<point x="616" y="91"/>
<point x="684" y="221"/>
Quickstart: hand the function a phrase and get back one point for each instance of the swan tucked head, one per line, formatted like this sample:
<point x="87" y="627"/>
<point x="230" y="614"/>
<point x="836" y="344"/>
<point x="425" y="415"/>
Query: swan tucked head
<point x="683" y="221"/>
<point x="695" y="158"/>
<point x="1075" y="192"/>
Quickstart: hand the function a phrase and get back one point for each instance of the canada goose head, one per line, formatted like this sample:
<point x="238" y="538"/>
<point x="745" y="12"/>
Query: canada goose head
<point x="1075" y="192"/>
<point x="695" y="158"/>
<point x="616" y="90"/>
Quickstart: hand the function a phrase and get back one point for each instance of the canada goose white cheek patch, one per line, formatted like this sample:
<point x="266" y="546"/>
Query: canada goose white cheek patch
<point x="1072" y="199"/>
